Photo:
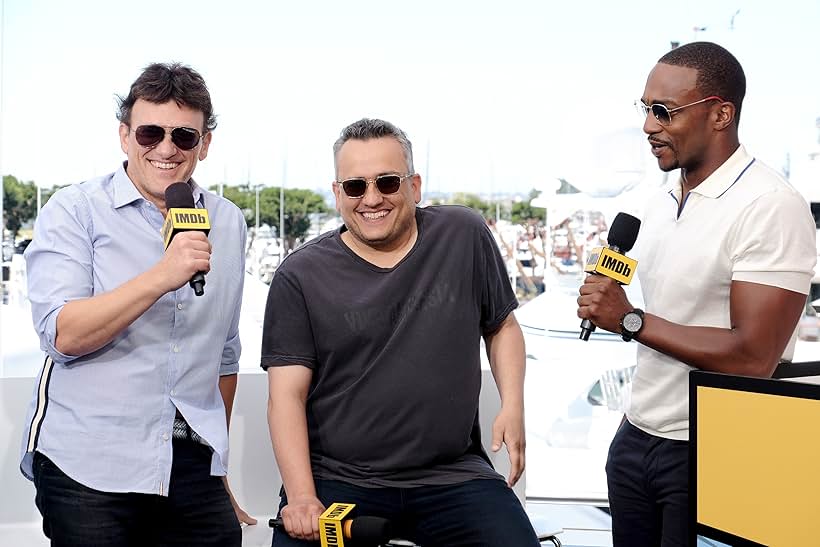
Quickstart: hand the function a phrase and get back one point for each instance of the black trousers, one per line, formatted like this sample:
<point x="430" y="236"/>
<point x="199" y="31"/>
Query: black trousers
<point x="197" y="510"/>
<point x="481" y="512"/>
<point x="648" y="482"/>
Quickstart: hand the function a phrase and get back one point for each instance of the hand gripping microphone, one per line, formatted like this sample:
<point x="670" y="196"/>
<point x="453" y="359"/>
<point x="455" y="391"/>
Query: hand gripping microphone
<point x="361" y="531"/>
<point x="610" y="261"/>
<point x="183" y="216"/>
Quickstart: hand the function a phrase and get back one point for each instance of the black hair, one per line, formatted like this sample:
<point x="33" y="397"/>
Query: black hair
<point x="162" y="82"/>
<point x="719" y="72"/>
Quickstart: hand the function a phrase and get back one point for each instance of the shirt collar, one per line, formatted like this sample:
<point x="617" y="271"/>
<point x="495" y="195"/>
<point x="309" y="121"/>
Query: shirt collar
<point x="716" y="184"/>
<point x="199" y="194"/>
<point x="126" y="193"/>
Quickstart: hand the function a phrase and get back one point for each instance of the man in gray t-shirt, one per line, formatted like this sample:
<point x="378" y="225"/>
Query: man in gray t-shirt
<point x="371" y="343"/>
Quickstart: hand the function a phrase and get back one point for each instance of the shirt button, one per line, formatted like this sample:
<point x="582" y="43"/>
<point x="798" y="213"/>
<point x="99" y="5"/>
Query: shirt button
<point x="173" y="392"/>
<point x="176" y="349"/>
<point x="179" y="306"/>
<point x="164" y="436"/>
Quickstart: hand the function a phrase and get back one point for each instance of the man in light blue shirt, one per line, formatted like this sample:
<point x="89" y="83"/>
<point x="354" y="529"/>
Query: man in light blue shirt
<point x="126" y="439"/>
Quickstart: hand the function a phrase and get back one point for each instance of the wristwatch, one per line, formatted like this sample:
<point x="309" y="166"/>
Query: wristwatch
<point x="631" y="324"/>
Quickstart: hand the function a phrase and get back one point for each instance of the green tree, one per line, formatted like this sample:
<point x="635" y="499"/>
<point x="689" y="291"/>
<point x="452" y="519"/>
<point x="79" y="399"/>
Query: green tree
<point x="19" y="203"/>
<point x="299" y="205"/>
<point x="242" y="197"/>
<point x="473" y="201"/>
<point x="523" y="211"/>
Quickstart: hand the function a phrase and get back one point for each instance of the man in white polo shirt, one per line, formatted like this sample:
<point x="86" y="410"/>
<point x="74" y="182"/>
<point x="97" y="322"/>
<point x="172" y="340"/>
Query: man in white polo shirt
<point x="726" y="260"/>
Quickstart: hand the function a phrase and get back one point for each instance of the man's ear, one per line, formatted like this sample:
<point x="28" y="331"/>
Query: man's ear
<point x="725" y="116"/>
<point x="124" y="130"/>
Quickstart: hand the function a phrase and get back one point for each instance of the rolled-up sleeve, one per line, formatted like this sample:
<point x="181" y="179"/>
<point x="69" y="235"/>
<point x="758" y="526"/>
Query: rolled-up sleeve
<point x="231" y="352"/>
<point x="59" y="264"/>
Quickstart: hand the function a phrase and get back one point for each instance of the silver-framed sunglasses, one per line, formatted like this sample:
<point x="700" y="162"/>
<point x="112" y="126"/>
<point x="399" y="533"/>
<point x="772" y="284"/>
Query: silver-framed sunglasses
<point x="184" y="138"/>
<point x="388" y="183"/>
<point x="664" y="114"/>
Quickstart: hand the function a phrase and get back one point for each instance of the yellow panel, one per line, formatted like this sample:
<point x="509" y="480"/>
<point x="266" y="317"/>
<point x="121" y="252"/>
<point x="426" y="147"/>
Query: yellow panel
<point x="759" y="466"/>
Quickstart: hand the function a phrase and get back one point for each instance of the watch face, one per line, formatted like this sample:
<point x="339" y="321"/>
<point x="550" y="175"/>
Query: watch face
<point x="632" y="322"/>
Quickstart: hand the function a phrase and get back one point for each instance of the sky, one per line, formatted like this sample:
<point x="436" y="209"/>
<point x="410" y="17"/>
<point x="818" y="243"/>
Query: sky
<point x="495" y="96"/>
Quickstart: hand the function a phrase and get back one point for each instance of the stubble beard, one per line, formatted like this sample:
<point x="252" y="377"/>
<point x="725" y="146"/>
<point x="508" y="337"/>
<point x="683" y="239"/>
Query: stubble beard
<point x="391" y="239"/>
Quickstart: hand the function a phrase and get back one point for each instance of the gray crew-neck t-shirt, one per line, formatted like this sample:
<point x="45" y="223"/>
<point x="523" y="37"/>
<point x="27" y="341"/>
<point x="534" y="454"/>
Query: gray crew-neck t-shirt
<point x="394" y="351"/>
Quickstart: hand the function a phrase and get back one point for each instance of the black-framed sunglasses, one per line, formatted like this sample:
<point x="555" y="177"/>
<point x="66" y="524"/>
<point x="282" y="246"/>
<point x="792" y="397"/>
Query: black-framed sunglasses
<point x="664" y="114"/>
<point x="386" y="184"/>
<point x="184" y="138"/>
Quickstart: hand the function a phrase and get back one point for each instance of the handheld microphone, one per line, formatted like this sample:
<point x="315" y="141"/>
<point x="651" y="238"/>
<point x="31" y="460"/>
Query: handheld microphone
<point x="610" y="261"/>
<point x="183" y="216"/>
<point x="362" y="531"/>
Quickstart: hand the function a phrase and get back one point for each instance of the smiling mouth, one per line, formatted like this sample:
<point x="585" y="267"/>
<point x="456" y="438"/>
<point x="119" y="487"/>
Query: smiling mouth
<point x="164" y="165"/>
<point x="375" y="215"/>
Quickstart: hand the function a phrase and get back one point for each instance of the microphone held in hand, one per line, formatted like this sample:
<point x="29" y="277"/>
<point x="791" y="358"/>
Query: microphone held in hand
<point x="183" y="216"/>
<point x="610" y="261"/>
<point x="363" y="531"/>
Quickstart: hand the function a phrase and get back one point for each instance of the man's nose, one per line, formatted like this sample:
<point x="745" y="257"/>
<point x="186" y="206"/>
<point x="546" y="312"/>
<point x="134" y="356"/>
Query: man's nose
<point x="372" y="196"/>
<point x="651" y="124"/>
<point x="166" y="146"/>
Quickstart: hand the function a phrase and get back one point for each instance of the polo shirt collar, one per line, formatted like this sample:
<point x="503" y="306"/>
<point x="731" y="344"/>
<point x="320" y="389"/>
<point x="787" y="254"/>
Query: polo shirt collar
<point x="125" y="192"/>
<point x="716" y="184"/>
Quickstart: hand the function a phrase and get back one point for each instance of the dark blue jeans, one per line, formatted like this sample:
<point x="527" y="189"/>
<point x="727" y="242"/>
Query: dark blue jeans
<point x="197" y="510"/>
<point x="648" y="481"/>
<point x="475" y="513"/>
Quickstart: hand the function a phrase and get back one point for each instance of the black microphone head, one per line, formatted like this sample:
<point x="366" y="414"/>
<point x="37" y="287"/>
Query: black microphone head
<point x="179" y="196"/>
<point x="370" y="531"/>
<point x="623" y="232"/>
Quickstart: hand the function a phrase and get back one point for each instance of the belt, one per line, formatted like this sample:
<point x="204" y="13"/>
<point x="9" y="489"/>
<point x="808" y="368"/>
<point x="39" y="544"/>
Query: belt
<point x="183" y="431"/>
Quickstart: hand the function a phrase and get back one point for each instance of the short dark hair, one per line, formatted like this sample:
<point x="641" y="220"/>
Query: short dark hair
<point x="719" y="72"/>
<point x="162" y="82"/>
<point x="370" y="128"/>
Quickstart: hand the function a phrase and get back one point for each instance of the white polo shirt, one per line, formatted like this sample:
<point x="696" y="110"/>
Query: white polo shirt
<point x="743" y="223"/>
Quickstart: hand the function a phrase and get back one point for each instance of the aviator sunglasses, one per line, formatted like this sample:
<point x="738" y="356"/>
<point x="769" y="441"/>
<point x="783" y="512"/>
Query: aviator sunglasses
<point x="664" y="114"/>
<point x="386" y="184"/>
<point x="184" y="138"/>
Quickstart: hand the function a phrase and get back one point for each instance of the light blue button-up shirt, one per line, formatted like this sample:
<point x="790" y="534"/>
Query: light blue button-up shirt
<point x="106" y="418"/>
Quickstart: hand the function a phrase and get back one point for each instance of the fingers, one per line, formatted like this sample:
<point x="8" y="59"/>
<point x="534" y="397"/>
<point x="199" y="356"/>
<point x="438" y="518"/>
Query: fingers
<point x="245" y="518"/>
<point x="242" y="516"/>
<point x="603" y="301"/>
<point x="516" y="450"/>
<point x="592" y="294"/>
<point x="301" y="520"/>
<point x="498" y="436"/>
<point x="588" y="302"/>
<point x="509" y="429"/>
<point x="187" y="254"/>
<point x="315" y="528"/>
<point x="597" y="283"/>
<point x="193" y="248"/>
<point x="299" y="527"/>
